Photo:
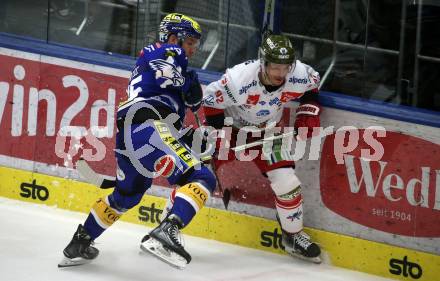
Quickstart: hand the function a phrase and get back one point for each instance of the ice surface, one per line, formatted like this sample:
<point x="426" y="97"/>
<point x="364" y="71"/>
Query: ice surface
<point x="32" y="238"/>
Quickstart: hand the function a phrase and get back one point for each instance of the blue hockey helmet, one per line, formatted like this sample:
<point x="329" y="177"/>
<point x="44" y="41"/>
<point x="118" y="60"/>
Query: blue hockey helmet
<point x="180" y="25"/>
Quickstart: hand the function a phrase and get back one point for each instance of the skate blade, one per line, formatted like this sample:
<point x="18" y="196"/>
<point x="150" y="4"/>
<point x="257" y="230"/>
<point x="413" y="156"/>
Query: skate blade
<point x="155" y="248"/>
<point x="66" y="262"/>
<point x="316" y="260"/>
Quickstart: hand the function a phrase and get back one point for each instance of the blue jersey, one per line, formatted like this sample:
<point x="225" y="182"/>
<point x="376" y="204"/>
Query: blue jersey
<point x="158" y="79"/>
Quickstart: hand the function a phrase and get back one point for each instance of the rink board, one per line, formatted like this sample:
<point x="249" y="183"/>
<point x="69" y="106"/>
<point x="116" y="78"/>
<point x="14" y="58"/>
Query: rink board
<point x="46" y="88"/>
<point x="394" y="199"/>
<point x="263" y="234"/>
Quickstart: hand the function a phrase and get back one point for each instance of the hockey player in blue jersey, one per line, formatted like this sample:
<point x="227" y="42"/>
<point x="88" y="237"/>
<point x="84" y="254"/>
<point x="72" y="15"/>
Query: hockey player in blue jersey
<point x="148" y="144"/>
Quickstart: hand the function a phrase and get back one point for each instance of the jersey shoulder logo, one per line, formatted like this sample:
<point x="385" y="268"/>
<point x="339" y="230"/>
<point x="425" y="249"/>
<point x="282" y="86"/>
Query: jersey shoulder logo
<point x="313" y="75"/>
<point x="167" y="71"/>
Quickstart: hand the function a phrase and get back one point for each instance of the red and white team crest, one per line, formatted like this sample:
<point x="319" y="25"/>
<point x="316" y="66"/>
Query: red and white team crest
<point x="288" y="96"/>
<point x="315" y="78"/>
<point x="253" y="99"/>
<point x="165" y="165"/>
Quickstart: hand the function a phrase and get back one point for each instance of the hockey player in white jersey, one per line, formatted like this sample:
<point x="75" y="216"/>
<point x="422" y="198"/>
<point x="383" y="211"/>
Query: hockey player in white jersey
<point x="253" y="94"/>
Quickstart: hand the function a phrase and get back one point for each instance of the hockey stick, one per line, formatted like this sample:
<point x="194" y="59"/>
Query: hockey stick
<point x="92" y="177"/>
<point x="262" y="141"/>
<point x="268" y="19"/>
<point x="226" y="193"/>
<point x="96" y="179"/>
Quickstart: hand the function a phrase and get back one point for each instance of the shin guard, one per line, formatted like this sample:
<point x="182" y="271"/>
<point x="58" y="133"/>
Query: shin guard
<point x="189" y="199"/>
<point x="101" y="217"/>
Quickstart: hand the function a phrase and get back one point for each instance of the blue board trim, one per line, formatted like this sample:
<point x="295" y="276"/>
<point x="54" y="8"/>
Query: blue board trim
<point x="328" y="99"/>
<point x="381" y="109"/>
<point x="32" y="45"/>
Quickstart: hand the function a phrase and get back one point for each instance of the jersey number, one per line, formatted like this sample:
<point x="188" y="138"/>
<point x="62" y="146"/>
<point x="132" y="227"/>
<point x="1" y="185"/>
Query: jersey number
<point x="132" y="90"/>
<point x="219" y="97"/>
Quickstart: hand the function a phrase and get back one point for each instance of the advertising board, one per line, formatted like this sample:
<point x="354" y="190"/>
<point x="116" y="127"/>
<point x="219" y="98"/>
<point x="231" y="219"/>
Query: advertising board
<point x="47" y="103"/>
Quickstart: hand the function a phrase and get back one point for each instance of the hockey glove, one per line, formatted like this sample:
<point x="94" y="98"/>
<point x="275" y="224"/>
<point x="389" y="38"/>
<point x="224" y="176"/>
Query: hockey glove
<point x="307" y="115"/>
<point x="193" y="96"/>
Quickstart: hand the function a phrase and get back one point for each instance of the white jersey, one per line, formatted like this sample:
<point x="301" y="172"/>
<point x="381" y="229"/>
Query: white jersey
<point x="240" y="93"/>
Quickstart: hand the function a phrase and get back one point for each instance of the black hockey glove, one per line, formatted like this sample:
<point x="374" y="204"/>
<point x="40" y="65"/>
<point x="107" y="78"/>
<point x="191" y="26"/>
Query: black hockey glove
<point x="193" y="96"/>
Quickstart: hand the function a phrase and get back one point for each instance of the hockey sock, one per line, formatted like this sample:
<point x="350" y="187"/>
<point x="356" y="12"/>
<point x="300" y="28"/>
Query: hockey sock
<point x="189" y="199"/>
<point x="289" y="208"/>
<point x="102" y="216"/>
<point x="168" y="205"/>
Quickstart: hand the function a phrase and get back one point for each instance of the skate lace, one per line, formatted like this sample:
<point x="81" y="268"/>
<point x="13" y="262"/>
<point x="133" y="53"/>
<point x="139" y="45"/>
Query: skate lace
<point x="302" y="241"/>
<point x="175" y="235"/>
<point x="83" y="237"/>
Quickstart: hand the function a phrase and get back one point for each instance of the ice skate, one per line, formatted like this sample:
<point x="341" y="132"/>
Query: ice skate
<point x="299" y="245"/>
<point x="164" y="242"/>
<point x="79" y="250"/>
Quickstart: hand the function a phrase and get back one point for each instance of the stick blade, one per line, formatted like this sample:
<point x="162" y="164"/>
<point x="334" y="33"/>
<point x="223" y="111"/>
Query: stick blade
<point x="92" y="177"/>
<point x="226" y="198"/>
